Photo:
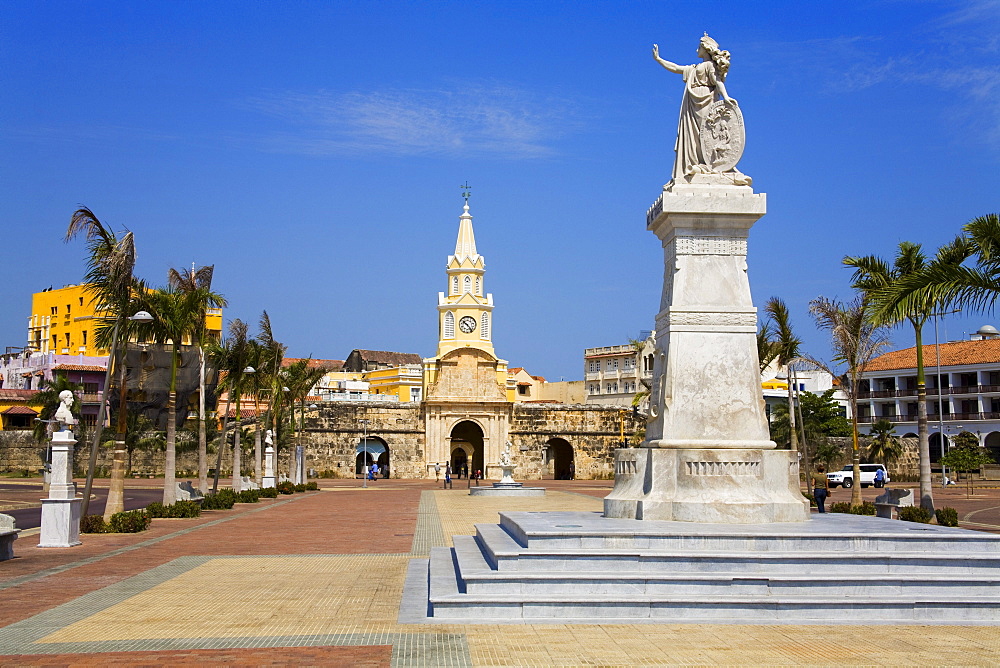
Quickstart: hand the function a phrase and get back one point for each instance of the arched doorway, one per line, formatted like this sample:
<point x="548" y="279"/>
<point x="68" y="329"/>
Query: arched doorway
<point x="372" y="450"/>
<point x="466" y="447"/>
<point x="935" y="447"/>
<point x="992" y="444"/>
<point x="559" y="459"/>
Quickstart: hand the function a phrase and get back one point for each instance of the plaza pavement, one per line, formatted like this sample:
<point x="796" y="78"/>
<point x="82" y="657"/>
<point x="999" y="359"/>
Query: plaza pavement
<point x="317" y="579"/>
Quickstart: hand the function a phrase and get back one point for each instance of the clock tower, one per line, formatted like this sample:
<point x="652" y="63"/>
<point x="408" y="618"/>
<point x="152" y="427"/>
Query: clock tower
<point x="467" y="395"/>
<point x="465" y="309"/>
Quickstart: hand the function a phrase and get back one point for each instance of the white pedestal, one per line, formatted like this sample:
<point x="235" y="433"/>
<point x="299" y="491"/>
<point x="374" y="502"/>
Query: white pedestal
<point x="707" y="431"/>
<point x="61" y="511"/>
<point x="268" y="480"/>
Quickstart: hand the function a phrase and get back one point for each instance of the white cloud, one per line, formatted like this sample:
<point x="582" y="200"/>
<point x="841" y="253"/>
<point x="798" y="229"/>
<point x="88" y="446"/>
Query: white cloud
<point x="496" y="120"/>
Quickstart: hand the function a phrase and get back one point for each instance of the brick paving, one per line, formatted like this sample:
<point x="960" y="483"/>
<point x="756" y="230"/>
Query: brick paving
<point x="316" y="579"/>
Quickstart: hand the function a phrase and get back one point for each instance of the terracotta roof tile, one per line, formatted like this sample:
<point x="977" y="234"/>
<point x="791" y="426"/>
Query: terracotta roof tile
<point x="79" y="367"/>
<point x="956" y="353"/>
<point x="329" y="365"/>
<point x="391" y="358"/>
<point x="20" y="410"/>
<point x="17" y="395"/>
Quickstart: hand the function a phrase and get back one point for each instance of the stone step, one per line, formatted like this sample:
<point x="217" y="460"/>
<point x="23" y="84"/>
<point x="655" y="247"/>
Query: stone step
<point x="848" y="586"/>
<point x="720" y="609"/>
<point x="824" y="533"/>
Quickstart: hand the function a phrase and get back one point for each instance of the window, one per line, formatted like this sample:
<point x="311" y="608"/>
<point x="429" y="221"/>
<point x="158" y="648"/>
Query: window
<point x="614" y="364"/>
<point x="449" y="323"/>
<point x="608" y="365"/>
<point x="454" y="285"/>
<point x="629" y="363"/>
<point x="593" y="389"/>
<point x="67" y="339"/>
<point x="55" y="310"/>
<point x="615" y="386"/>
<point x="84" y="337"/>
<point x="479" y="285"/>
<point x="596" y="366"/>
<point x="67" y="309"/>
<point x="88" y="420"/>
<point x="468" y="284"/>
<point x="522" y="390"/>
<point x="55" y="341"/>
<point x="484" y="327"/>
<point x="414" y="394"/>
<point x="81" y="301"/>
<point x="90" y="388"/>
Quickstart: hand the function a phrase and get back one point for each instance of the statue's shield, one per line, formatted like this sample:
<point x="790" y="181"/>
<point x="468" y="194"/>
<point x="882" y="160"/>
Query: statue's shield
<point x="722" y="136"/>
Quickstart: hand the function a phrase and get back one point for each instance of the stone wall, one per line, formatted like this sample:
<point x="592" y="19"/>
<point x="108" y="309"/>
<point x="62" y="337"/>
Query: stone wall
<point x="332" y="435"/>
<point x="593" y="431"/>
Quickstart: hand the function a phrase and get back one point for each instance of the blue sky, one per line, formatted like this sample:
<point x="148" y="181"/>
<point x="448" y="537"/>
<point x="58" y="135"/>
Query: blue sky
<point x="313" y="151"/>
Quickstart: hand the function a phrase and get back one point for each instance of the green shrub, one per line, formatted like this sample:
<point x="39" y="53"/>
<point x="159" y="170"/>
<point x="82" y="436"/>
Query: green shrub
<point x="312" y="486"/>
<point x="915" y="514"/>
<point x="866" y="508"/>
<point x="947" y="517"/>
<point x="269" y="493"/>
<point x="248" y="496"/>
<point x="301" y="487"/>
<point x="157" y="509"/>
<point x="812" y="500"/>
<point x="224" y="499"/>
<point x="840" y="507"/>
<point x="93" y="524"/>
<point x="286" y="487"/>
<point x="129" y="521"/>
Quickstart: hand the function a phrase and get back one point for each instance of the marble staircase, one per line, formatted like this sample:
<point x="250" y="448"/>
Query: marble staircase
<point x="572" y="567"/>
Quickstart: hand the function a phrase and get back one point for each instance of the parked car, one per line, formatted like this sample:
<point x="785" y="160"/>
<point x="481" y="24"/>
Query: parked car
<point x="845" y="476"/>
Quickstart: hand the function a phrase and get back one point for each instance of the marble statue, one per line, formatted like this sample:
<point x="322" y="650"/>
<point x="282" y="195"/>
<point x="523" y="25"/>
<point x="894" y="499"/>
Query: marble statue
<point x="710" y="135"/>
<point x="505" y="460"/>
<point x="64" y="414"/>
<point x="269" y="437"/>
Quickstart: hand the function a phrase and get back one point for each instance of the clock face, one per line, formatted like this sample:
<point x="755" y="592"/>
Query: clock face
<point x="467" y="324"/>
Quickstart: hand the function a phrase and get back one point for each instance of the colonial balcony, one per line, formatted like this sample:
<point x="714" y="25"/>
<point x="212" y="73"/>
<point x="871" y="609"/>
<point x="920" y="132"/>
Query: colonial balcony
<point x="931" y="391"/>
<point x="931" y="419"/>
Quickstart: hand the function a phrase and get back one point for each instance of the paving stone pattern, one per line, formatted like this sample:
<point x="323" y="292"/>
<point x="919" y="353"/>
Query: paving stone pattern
<point x="316" y="579"/>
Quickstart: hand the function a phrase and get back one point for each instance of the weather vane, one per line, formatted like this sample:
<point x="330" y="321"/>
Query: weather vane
<point x="466" y="191"/>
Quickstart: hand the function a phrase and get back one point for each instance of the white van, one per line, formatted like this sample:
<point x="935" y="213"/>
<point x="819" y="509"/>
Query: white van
<point x="845" y="477"/>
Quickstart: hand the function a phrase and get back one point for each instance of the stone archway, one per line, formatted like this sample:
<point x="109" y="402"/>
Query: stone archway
<point x="992" y="443"/>
<point x="560" y="464"/>
<point x="467" y="443"/>
<point x="936" y="447"/>
<point x="372" y="450"/>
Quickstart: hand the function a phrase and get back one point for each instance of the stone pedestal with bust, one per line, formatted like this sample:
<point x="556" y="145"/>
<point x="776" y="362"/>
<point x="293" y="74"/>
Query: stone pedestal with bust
<point x="61" y="510"/>
<point x="506" y="486"/>
<point x="269" y="480"/>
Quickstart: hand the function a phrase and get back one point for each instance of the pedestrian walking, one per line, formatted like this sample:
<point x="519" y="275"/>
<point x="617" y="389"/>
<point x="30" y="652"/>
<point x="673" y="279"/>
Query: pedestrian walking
<point x="821" y="488"/>
<point x="447" y="476"/>
<point x="437" y="471"/>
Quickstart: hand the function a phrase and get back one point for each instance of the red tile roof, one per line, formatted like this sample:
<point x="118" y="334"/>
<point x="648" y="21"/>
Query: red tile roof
<point x="329" y="365"/>
<point x="20" y="410"/>
<point x="79" y="367"/>
<point x="956" y="353"/>
<point x="389" y="357"/>
<point x="17" y="395"/>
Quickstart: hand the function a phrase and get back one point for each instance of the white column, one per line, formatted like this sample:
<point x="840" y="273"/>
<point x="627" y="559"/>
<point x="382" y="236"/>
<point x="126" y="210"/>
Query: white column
<point x="269" y="480"/>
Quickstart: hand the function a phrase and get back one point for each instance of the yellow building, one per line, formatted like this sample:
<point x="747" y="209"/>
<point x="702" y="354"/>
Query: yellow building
<point x="403" y="383"/>
<point x="63" y="321"/>
<point x="18" y="409"/>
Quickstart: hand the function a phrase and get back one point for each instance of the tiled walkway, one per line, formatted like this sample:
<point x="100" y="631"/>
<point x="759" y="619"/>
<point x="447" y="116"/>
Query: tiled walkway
<point x="317" y="578"/>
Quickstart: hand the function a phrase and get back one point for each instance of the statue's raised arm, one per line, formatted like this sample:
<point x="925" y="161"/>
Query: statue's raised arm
<point x="710" y="136"/>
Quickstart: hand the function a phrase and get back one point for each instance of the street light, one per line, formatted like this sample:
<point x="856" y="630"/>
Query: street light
<point x="364" y="444"/>
<point x="140" y="317"/>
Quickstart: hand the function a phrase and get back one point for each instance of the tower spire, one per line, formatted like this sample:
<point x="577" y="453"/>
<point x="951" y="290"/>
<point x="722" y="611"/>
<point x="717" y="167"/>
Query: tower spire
<point x="465" y="246"/>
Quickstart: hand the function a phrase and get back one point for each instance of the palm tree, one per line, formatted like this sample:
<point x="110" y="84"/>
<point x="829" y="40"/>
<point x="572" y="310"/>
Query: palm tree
<point x="883" y="445"/>
<point x="270" y="377"/>
<point x="950" y="280"/>
<point x="176" y="315"/>
<point x="198" y="282"/>
<point x="766" y="350"/>
<point x="109" y="279"/>
<point x="232" y="356"/>
<point x="785" y="347"/>
<point x="855" y="342"/>
<point x="880" y="282"/>
<point x="300" y="378"/>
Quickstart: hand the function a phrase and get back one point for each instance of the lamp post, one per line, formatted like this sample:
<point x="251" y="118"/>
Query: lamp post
<point x="364" y="444"/>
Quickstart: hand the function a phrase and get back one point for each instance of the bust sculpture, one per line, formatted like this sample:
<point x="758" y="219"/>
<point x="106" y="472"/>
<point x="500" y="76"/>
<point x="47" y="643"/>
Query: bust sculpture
<point x="64" y="413"/>
<point x="268" y="437"/>
<point x="710" y="134"/>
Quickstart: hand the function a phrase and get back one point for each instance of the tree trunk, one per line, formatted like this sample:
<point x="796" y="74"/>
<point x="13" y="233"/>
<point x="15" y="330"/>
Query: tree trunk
<point x="237" y="459"/>
<point x="116" y="487"/>
<point x="102" y="414"/>
<point x="258" y="447"/>
<point x="202" y="426"/>
<point x="793" y="435"/>
<point x="923" y="438"/>
<point x="170" y="463"/>
<point x="856" y="455"/>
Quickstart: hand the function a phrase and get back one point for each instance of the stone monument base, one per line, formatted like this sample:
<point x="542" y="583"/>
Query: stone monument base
<point x="507" y="489"/>
<point x="578" y="567"/>
<point x="60" y="523"/>
<point x="727" y="486"/>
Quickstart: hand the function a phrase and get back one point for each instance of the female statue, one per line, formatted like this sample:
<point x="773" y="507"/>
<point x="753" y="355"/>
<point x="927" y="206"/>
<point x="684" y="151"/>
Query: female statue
<point x="703" y="84"/>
